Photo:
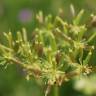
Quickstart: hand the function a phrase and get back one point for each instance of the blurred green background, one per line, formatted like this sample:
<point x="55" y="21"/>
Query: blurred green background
<point x="15" y="14"/>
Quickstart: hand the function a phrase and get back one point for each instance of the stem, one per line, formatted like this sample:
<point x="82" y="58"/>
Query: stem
<point x="6" y="48"/>
<point x="26" y="66"/>
<point x="56" y="90"/>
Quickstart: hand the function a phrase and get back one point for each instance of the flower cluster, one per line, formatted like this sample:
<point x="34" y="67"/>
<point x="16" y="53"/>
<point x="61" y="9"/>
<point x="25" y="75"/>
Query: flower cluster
<point x="57" y="52"/>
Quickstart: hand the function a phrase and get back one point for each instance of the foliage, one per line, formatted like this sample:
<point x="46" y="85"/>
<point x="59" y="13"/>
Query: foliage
<point x="87" y="85"/>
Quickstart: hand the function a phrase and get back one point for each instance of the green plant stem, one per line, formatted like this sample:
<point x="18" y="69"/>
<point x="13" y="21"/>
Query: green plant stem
<point x="32" y="69"/>
<point x="6" y="48"/>
<point x="56" y="90"/>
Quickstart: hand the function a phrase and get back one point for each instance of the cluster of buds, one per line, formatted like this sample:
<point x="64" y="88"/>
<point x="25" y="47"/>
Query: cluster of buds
<point x="55" y="48"/>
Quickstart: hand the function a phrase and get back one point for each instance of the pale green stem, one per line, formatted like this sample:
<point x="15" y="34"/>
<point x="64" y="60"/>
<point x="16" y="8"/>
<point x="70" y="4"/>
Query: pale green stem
<point x="56" y="90"/>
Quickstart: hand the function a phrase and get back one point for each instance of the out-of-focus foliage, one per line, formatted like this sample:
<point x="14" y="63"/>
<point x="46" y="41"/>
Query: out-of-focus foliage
<point x="14" y="13"/>
<point x="87" y="85"/>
